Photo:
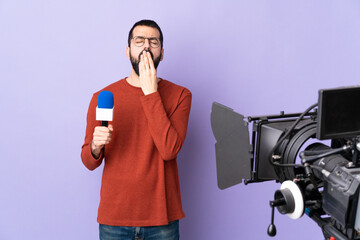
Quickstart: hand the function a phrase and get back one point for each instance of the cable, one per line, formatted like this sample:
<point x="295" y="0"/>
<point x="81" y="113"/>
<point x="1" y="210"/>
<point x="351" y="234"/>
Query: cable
<point x="311" y="159"/>
<point x="270" y="157"/>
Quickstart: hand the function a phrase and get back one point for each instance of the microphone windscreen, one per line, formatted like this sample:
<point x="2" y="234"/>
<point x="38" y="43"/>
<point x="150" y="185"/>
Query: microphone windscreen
<point x="105" y="99"/>
<point x="105" y="106"/>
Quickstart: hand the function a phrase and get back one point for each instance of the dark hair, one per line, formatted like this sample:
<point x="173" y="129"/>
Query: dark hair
<point x="149" y="23"/>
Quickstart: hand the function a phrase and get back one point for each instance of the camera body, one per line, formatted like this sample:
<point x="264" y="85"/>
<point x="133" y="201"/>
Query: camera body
<point x="324" y="182"/>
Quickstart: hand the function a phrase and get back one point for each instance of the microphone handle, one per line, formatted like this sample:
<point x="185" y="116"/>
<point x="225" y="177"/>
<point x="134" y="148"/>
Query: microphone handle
<point x="104" y="123"/>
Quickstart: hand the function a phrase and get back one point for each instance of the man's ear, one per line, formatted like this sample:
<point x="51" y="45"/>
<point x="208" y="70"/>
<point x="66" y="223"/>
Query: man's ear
<point x="128" y="52"/>
<point x="162" y="54"/>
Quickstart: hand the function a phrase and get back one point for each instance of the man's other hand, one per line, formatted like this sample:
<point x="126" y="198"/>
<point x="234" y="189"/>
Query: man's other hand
<point x="101" y="136"/>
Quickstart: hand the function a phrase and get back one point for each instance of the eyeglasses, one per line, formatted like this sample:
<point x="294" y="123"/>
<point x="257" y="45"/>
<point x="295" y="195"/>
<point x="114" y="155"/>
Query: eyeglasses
<point x="140" y="41"/>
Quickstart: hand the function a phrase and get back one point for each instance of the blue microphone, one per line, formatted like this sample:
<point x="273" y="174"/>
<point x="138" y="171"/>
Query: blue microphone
<point x="105" y="107"/>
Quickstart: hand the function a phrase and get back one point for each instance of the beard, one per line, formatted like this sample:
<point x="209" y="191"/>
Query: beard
<point x="135" y="62"/>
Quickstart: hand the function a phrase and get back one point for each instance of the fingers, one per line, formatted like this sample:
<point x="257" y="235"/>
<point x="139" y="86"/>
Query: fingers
<point x="102" y="129"/>
<point x="146" y="60"/>
<point x="141" y="64"/>
<point x="150" y="61"/>
<point x="102" y="135"/>
<point x="148" y="78"/>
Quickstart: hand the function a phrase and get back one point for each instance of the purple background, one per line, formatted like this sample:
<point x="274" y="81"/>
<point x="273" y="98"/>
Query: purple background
<point x="258" y="57"/>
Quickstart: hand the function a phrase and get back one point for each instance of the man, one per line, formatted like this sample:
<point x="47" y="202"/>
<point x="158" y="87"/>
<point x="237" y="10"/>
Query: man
<point x="140" y="191"/>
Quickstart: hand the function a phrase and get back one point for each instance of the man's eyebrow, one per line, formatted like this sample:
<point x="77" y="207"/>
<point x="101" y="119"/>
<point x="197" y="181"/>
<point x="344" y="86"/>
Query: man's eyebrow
<point x="147" y="37"/>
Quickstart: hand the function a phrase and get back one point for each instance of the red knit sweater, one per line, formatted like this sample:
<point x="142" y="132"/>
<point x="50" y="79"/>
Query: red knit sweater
<point x="140" y="183"/>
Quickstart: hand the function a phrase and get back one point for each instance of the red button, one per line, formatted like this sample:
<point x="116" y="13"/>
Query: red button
<point x="332" y="238"/>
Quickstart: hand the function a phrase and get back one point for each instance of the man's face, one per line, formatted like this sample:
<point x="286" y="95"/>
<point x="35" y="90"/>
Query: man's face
<point x="134" y="52"/>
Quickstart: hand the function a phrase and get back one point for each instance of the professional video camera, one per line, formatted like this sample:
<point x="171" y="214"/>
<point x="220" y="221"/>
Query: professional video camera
<point x="323" y="182"/>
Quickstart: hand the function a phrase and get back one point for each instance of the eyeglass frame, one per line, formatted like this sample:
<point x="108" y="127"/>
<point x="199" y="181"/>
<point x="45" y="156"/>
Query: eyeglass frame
<point x="149" y="39"/>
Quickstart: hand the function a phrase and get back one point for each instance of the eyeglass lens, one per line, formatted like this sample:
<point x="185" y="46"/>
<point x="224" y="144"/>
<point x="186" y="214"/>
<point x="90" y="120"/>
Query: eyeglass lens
<point x="140" y="41"/>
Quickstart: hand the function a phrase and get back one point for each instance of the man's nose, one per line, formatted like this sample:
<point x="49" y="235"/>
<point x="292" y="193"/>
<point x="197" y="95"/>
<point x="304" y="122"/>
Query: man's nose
<point x="147" y="43"/>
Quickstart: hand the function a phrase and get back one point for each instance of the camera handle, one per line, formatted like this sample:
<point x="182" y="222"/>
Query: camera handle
<point x="272" y="228"/>
<point x="285" y="203"/>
